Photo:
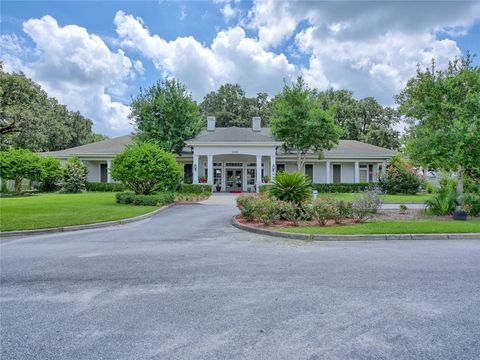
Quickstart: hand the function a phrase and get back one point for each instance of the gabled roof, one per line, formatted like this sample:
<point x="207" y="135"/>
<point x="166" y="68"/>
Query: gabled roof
<point x="105" y="147"/>
<point x="233" y="134"/>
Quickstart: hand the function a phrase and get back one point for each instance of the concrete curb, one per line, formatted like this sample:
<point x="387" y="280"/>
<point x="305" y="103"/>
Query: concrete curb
<point x="451" y="236"/>
<point x="6" y="234"/>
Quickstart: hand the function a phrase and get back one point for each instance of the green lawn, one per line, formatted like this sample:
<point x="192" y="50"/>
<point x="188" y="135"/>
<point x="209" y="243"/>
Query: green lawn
<point x="419" y="198"/>
<point x="54" y="210"/>
<point x="391" y="227"/>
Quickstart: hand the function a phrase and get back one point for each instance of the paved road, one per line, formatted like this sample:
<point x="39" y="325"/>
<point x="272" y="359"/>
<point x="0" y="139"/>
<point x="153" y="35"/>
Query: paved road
<point x="186" y="285"/>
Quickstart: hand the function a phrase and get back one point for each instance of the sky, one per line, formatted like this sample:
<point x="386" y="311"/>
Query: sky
<point x="93" y="56"/>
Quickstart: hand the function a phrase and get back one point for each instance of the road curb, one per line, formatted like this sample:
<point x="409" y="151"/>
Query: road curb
<point x="451" y="236"/>
<point x="7" y="234"/>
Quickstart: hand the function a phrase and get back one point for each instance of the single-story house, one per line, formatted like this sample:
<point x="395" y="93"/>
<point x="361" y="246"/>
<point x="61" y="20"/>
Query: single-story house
<point x="238" y="159"/>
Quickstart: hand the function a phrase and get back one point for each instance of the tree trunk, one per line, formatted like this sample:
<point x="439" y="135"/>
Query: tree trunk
<point x="300" y="161"/>
<point x="460" y="196"/>
<point x="18" y="185"/>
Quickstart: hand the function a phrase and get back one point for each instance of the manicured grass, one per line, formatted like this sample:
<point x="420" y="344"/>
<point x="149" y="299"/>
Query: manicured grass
<point x="54" y="210"/>
<point x="392" y="227"/>
<point x="419" y="198"/>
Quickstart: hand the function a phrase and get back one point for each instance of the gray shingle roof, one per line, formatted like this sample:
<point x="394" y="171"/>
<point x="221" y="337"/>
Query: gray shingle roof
<point x="233" y="134"/>
<point x="107" y="147"/>
<point x="354" y="148"/>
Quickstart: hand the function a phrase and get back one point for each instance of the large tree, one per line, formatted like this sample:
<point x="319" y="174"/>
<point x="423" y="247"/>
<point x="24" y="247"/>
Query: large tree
<point x="300" y="122"/>
<point x="166" y="115"/>
<point x="232" y="107"/>
<point x="30" y="119"/>
<point x="363" y="120"/>
<point x="444" y="111"/>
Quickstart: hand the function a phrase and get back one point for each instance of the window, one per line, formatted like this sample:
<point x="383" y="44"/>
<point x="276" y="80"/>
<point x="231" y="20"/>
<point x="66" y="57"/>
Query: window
<point x="187" y="174"/>
<point x="363" y="173"/>
<point x="337" y="173"/>
<point x="280" y="167"/>
<point x="217" y="176"/>
<point x="234" y="164"/>
<point x="370" y="172"/>
<point x="251" y="176"/>
<point x="309" y="171"/>
<point x="103" y="173"/>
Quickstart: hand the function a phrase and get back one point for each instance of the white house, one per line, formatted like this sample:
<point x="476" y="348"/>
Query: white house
<point x="237" y="159"/>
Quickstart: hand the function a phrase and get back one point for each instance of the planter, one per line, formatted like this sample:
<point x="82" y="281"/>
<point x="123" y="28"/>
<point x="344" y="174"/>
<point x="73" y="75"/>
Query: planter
<point x="460" y="215"/>
<point x="218" y="188"/>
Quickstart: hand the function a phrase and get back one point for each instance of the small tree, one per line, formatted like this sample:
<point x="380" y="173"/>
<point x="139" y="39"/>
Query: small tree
<point x="50" y="173"/>
<point x="299" y="121"/>
<point x="145" y="168"/>
<point x="74" y="176"/>
<point x="400" y="177"/>
<point x="166" y="115"/>
<point x="19" y="164"/>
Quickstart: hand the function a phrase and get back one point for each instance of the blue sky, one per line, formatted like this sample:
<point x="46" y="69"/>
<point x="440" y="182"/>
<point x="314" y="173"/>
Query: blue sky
<point x="93" y="56"/>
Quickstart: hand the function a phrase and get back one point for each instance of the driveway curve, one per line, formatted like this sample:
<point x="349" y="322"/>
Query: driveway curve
<point x="187" y="285"/>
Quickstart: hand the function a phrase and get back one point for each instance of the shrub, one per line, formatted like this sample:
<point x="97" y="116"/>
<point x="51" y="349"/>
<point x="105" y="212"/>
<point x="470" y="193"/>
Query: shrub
<point x="266" y="210"/>
<point x="472" y="204"/>
<point x="429" y="188"/>
<point x="264" y="188"/>
<point x="365" y="206"/>
<point x="342" y="187"/>
<point x="101" y="186"/>
<point x="245" y="204"/>
<point x="443" y="202"/>
<point x="293" y="187"/>
<point x="403" y="209"/>
<point x="195" y="189"/>
<point x="323" y="210"/>
<point x="146" y="168"/>
<point x="74" y="176"/>
<point x="19" y="164"/>
<point x="159" y="199"/>
<point x="290" y="212"/>
<point x="400" y="177"/>
<point x="344" y="211"/>
<point x="50" y="173"/>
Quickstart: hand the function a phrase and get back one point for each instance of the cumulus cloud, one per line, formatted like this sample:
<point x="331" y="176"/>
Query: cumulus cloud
<point x="371" y="48"/>
<point x="231" y="57"/>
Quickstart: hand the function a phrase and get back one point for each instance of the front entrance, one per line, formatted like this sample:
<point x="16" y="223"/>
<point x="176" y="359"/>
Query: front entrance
<point x="234" y="180"/>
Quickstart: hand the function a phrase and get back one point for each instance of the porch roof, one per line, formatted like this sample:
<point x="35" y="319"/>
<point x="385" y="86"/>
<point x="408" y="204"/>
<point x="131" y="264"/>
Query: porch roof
<point x="222" y="135"/>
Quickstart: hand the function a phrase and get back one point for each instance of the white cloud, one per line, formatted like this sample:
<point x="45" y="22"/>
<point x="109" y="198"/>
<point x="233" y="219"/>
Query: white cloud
<point x="229" y="12"/>
<point x="79" y="70"/>
<point x="231" y="57"/>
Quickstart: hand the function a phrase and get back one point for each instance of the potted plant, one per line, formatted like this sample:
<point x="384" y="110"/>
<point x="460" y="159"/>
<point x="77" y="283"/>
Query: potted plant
<point x="218" y="187"/>
<point x="202" y="179"/>
<point x="266" y="179"/>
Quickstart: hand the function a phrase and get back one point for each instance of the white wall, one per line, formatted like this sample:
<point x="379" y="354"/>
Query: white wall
<point x="93" y="168"/>
<point x="348" y="172"/>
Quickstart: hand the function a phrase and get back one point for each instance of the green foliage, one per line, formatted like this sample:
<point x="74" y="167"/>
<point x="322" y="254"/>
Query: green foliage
<point x="30" y="119"/>
<point x="74" y="176"/>
<point x="368" y="204"/>
<point x="290" y="212"/>
<point x="145" y="168"/>
<point x="429" y="188"/>
<point x="472" y="204"/>
<point x="300" y="122"/>
<point x="400" y="177"/>
<point x="323" y="210"/>
<point x="264" y="188"/>
<point x="231" y="107"/>
<point x="166" y="115"/>
<point x="245" y="204"/>
<point x="342" y="187"/>
<point x="259" y="208"/>
<point x="19" y="164"/>
<point x="363" y="120"/>
<point x="443" y="202"/>
<point x="293" y="187"/>
<point x="104" y="187"/>
<point x="195" y="189"/>
<point x="50" y="174"/>
<point x="158" y="199"/>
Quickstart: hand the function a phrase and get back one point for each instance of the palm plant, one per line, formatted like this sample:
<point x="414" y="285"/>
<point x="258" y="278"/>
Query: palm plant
<point x="293" y="187"/>
<point x="443" y="202"/>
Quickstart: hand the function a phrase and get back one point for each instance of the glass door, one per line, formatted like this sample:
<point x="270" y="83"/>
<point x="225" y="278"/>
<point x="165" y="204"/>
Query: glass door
<point x="234" y="180"/>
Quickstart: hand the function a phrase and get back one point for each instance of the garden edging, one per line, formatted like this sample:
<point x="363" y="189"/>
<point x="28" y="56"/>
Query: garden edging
<point x="4" y="234"/>
<point x="451" y="236"/>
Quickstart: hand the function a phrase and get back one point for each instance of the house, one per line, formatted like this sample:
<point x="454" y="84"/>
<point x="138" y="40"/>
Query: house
<point x="238" y="159"/>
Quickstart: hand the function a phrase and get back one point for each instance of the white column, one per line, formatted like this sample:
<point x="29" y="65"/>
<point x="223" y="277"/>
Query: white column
<point x="210" y="169"/>
<point x="109" y="176"/>
<point x="357" y="172"/>
<point x="378" y="172"/>
<point x="273" y="167"/>
<point x="258" y="172"/>
<point x="384" y="167"/>
<point x="327" y="172"/>
<point x="195" y="169"/>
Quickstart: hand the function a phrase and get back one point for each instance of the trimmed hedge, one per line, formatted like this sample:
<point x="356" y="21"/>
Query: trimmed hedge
<point x="264" y="188"/>
<point x="101" y="186"/>
<point x="195" y="189"/>
<point x="159" y="199"/>
<point x="343" y="187"/>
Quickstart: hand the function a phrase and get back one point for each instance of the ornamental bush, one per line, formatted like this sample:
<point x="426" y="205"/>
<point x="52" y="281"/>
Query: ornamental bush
<point x="195" y="189"/>
<point x="19" y="164"/>
<point x="342" y="187"/>
<point x="400" y="177"/>
<point x="291" y="212"/>
<point x="102" y="186"/>
<point x="50" y="173"/>
<point x="159" y="199"/>
<point x="146" y="168"/>
<point x="74" y="176"/>
<point x="245" y="204"/>
<point x="365" y="206"/>
<point x="293" y="187"/>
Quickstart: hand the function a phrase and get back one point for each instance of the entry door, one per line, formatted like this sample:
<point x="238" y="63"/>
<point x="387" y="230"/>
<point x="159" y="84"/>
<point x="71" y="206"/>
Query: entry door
<point x="103" y="173"/>
<point x="234" y="179"/>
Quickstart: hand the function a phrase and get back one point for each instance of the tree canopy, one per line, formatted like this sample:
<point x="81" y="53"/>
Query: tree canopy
<point x="166" y="115"/>
<point x="444" y="111"/>
<point x="30" y="119"/>
<point x="232" y="107"/>
<point x="299" y="121"/>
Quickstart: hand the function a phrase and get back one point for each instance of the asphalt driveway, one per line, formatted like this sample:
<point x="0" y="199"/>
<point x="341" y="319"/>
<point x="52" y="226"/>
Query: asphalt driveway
<point x="187" y="285"/>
